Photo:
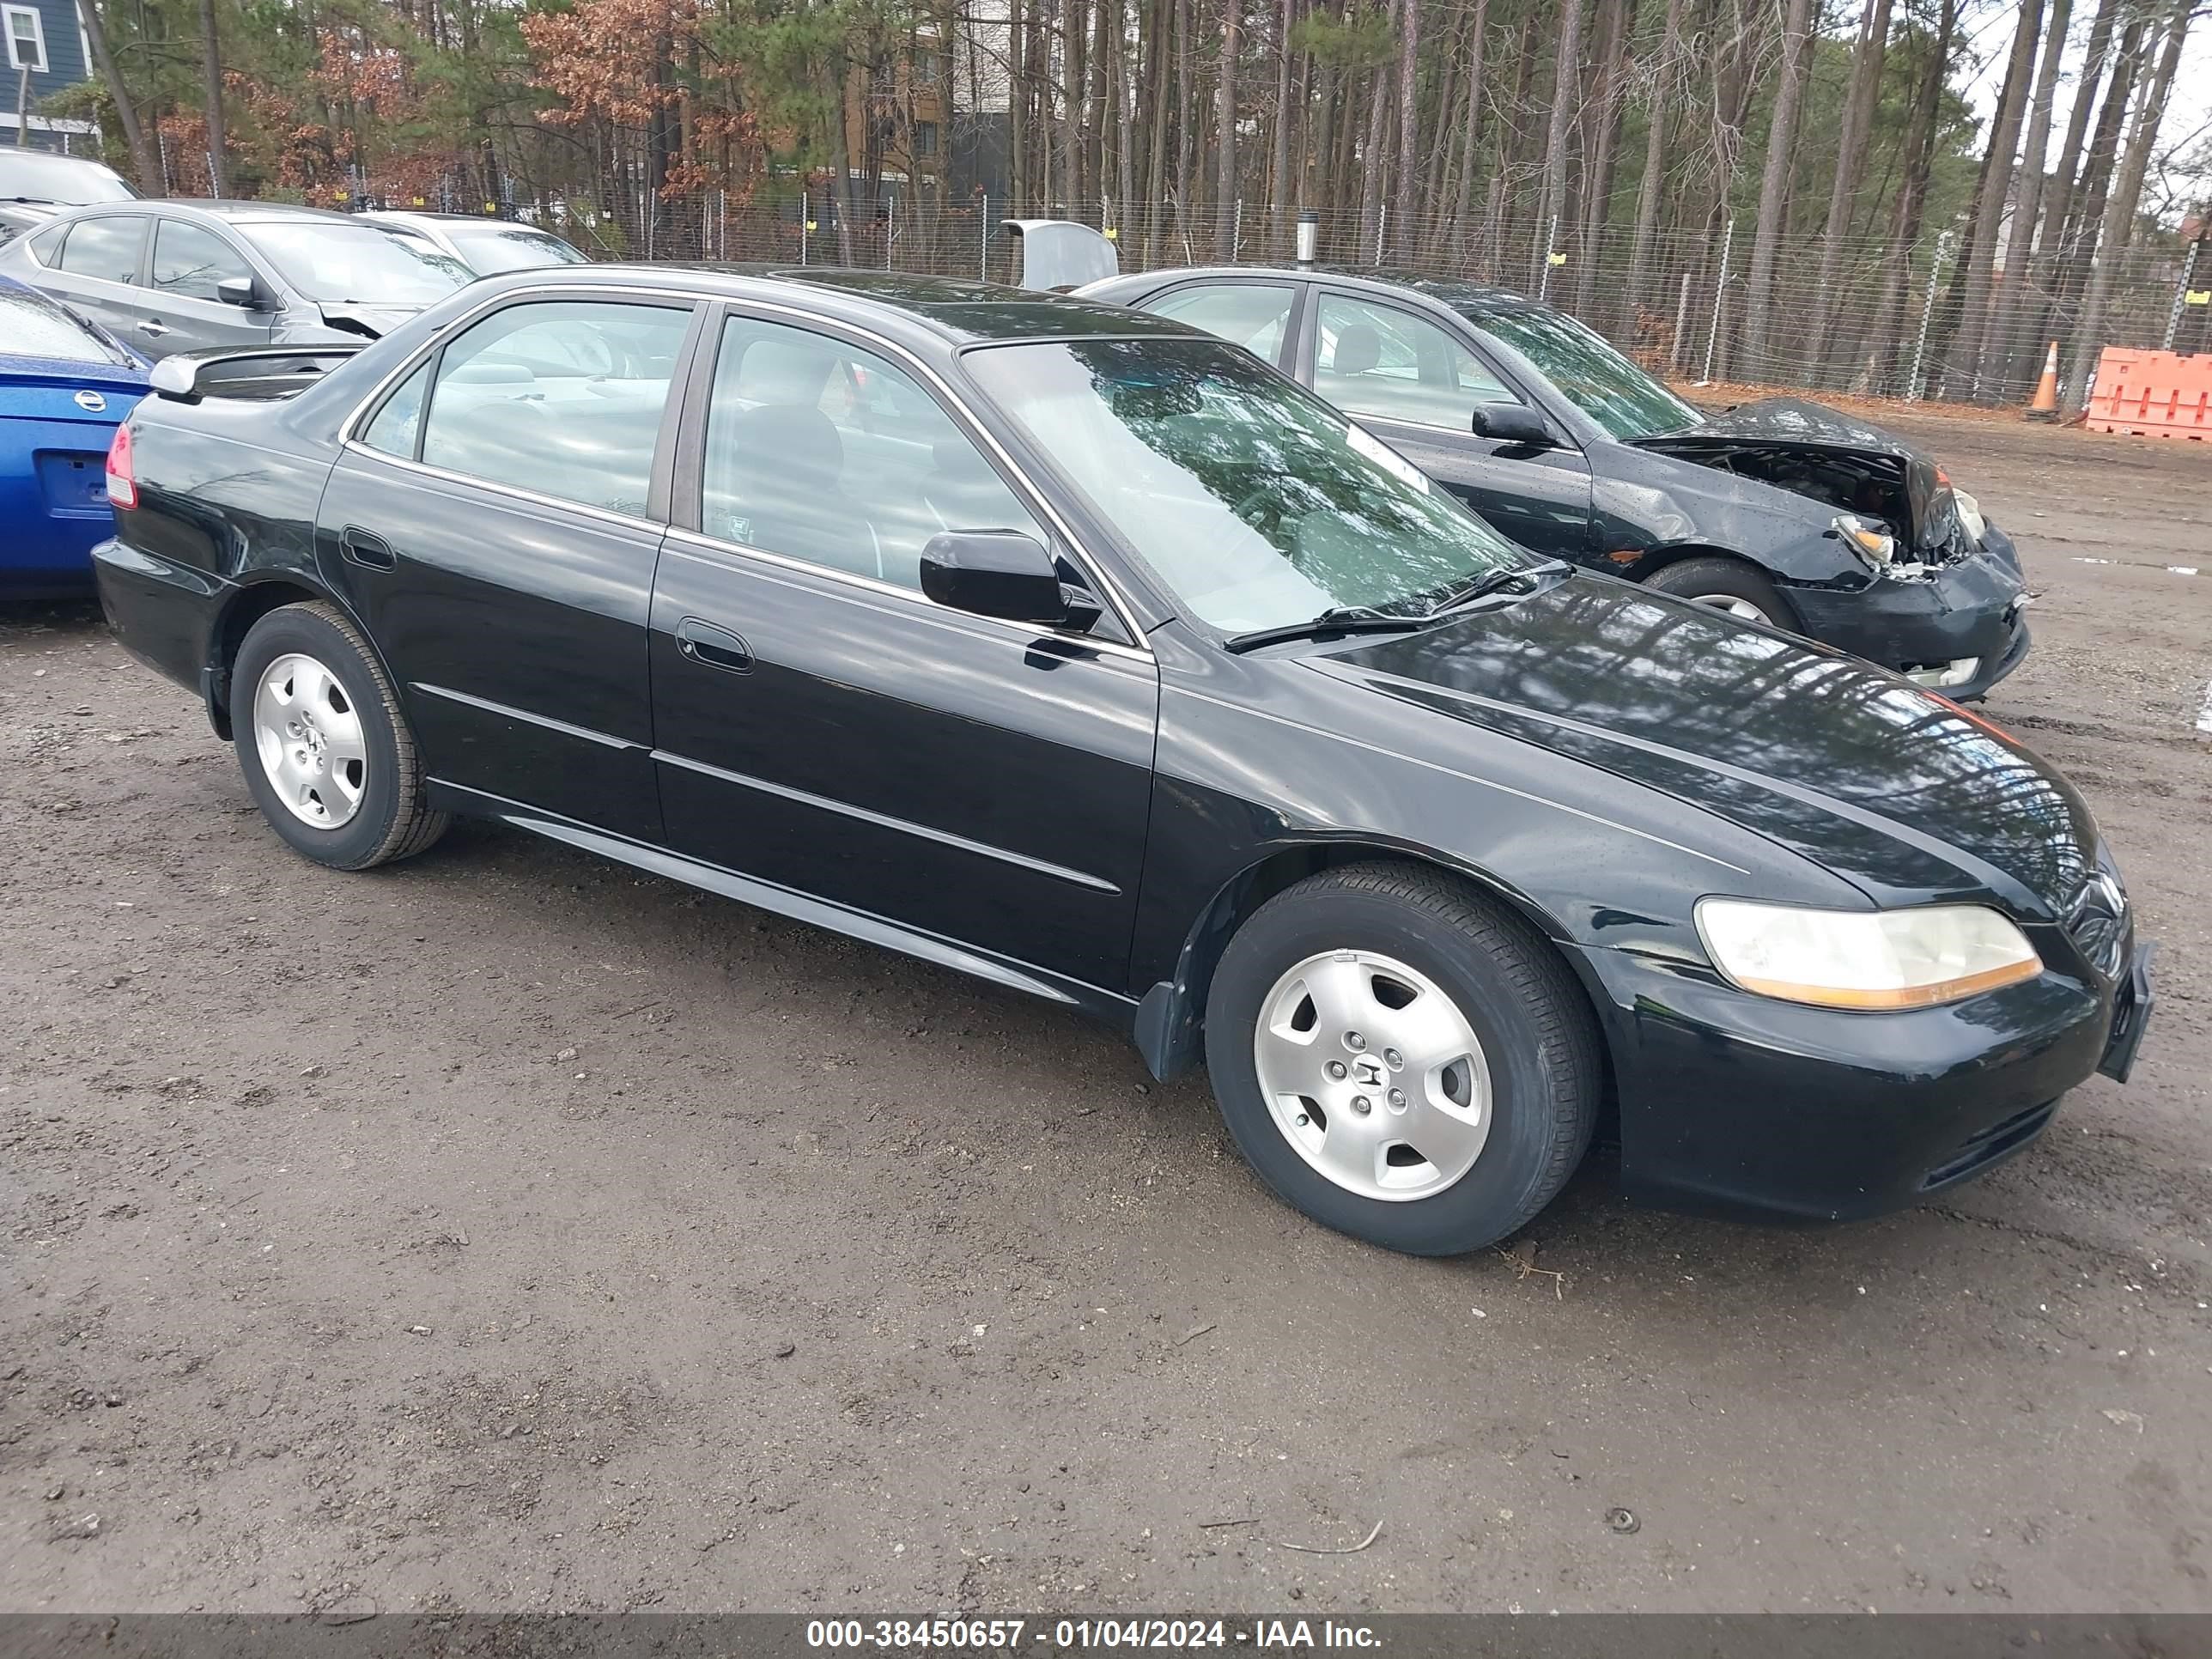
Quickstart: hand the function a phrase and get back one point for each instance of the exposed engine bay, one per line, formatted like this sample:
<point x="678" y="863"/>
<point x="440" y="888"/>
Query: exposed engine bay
<point x="1872" y="486"/>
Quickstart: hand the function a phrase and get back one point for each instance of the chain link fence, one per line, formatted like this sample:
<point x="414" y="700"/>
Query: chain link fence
<point x="1862" y="317"/>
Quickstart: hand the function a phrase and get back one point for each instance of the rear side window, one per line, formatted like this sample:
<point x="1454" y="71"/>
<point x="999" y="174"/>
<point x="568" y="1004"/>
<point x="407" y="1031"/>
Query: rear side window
<point x="190" y="261"/>
<point x="556" y="397"/>
<point x="47" y="246"/>
<point x="395" y="426"/>
<point x="106" y="248"/>
<point x="1249" y="314"/>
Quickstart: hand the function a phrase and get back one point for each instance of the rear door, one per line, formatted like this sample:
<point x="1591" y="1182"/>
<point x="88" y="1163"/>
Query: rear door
<point x="1417" y="384"/>
<point x="182" y="310"/>
<point x="97" y="271"/>
<point x="824" y="726"/>
<point x="495" y="521"/>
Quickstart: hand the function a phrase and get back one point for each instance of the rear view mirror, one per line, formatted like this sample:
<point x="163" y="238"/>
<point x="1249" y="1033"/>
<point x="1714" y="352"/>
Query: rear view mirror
<point x="1512" y="423"/>
<point x="994" y="573"/>
<point x="238" y="291"/>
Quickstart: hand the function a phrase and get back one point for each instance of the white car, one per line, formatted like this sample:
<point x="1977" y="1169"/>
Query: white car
<point x="485" y="244"/>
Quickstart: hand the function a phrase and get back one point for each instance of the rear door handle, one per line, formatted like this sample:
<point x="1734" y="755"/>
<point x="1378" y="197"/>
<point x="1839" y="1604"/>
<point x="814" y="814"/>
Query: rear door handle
<point x="717" y="648"/>
<point x="365" y="547"/>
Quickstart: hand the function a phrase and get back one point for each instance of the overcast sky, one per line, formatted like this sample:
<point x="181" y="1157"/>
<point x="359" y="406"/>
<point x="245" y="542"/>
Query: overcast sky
<point x="2187" y="112"/>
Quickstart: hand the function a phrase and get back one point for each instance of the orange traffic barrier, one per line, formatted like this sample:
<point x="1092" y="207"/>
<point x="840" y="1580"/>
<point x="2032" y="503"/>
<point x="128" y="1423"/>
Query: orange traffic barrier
<point x="2044" y="405"/>
<point x="2152" y="394"/>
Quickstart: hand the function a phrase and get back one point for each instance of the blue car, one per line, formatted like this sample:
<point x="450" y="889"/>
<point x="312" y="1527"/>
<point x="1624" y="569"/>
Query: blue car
<point x="65" y="385"/>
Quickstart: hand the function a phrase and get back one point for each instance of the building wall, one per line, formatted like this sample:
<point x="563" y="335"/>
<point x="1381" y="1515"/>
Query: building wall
<point x="47" y="35"/>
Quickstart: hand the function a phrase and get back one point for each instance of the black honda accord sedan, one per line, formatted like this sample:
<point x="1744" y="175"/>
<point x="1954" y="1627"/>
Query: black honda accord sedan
<point x="1082" y="651"/>
<point x="1780" y="511"/>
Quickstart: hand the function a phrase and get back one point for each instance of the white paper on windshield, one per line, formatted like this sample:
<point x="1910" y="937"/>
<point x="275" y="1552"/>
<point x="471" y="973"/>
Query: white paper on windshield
<point x="1385" y="457"/>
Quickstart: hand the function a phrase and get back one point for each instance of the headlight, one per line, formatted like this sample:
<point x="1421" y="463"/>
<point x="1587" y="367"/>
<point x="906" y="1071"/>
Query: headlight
<point x="1870" y="541"/>
<point x="1970" y="515"/>
<point x="1867" y="959"/>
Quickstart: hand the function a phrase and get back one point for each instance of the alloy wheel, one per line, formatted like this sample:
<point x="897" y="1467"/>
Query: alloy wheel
<point x="1734" y="604"/>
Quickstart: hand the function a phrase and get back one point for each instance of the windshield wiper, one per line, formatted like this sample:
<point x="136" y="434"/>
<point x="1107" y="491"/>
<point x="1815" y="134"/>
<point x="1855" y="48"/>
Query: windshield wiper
<point x="1344" y="619"/>
<point x="1493" y="581"/>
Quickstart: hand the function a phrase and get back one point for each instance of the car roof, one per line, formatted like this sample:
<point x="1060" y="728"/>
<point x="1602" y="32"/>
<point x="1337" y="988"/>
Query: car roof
<point x="236" y="212"/>
<point x="957" y="311"/>
<point x="1460" y="296"/>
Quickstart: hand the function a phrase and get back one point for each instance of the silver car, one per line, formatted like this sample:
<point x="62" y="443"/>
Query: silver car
<point x="171" y="276"/>
<point x="485" y="244"/>
<point x="35" y="184"/>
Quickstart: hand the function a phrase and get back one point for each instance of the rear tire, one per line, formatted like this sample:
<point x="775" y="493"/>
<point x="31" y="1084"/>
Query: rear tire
<point x="324" y="748"/>
<point x="1728" y="585"/>
<point x="1401" y="1059"/>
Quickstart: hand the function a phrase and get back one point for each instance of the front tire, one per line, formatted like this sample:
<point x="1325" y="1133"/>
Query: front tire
<point x="1729" y="585"/>
<point x="323" y="745"/>
<point x="1402" y="1060"/>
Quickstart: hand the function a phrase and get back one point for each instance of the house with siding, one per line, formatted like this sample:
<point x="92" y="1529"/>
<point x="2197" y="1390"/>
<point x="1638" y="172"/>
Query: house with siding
<point x="45" y="38"/>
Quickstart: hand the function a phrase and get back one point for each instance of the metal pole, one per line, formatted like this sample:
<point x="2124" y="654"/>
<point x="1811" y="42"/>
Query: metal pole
<point x="1720" y="296"/>
<point x="1381" y="226"/>
<point x="1237" y="233"/>
<point x="1681" y="324"/>
<point x="1551" y="248"/>
<point x="1308" y="237"/>
<point x="1913" y="390"/>
<point x="983" y="242"/>
<point x="805" y="221"/>
<point x="891" y="229"/>
<point x="2181" y="293"/>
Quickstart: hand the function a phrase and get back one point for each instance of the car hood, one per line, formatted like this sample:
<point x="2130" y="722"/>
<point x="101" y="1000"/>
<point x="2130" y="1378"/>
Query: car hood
<point x="1783" y="424"/>
<point x="375" y="321"/>
<point x="1899" y="790"/>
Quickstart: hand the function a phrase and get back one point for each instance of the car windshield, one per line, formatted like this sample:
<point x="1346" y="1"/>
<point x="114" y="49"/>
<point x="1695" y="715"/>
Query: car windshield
<point x="356" y="264"/>
<point x="1257" y="503"/>
<point x="509" y="249"/>
<point x="66" y="181"/>
<point x="1590" y="374"/>
<point x="31" y="326"/>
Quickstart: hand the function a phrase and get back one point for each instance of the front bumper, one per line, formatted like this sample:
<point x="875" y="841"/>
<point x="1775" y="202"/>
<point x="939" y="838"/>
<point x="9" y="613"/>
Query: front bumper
<point x="1745" y="1106"/>
<point x="1974" y="609"/>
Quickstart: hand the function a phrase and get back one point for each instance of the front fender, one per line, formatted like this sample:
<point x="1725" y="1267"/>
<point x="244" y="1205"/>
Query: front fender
<point x="1650" y="509"/>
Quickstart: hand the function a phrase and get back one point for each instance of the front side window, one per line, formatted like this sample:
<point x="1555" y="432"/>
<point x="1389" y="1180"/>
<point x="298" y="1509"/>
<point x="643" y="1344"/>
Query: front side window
<point x="190" y="261"/>
<point x="331" y="261"/>
<point x="1256" y="503"/>
<point x="1377" y="360"/>
<point x="1589" y="373"/>
<point x="560" y="398"/>
<point x="106" y="248"/>
<point x="823" y="451"/>
<point x="1251" y="314"/>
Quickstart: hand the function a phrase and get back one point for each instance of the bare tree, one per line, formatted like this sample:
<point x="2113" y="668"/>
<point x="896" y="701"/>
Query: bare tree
<point x="1977" y="264"/>
<point x="1774" y="181"/>
<point x="211" y="68"/>
<point x="1660" y="83"/>
<point x="1551" y="201"/>
<point x="1224" y="192"/>
<point x="1867" y="53"/>
<point x="144" y="160"/>
<point x="2119" y="222"/>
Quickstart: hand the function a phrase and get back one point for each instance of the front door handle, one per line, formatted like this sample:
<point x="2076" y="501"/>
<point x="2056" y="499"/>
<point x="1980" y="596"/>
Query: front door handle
<point x="365" y="547"/>
<point x="717" y="648"/>
<point x="156" y="329"/>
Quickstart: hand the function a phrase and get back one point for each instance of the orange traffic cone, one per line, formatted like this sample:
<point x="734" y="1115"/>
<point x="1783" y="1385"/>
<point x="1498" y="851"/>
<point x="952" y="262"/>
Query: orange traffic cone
<point x="2044" y="406"/>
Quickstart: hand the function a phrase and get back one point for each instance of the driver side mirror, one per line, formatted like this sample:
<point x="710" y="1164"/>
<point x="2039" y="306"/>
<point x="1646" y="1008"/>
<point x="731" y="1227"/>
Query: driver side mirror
<point x="994" y="573"/>
<point x="1512" y="423"/>
<point x="239" y="291"/>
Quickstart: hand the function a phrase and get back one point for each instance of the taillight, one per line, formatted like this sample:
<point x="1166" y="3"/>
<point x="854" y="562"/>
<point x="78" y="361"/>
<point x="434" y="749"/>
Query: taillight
<point x="122" y="482"/>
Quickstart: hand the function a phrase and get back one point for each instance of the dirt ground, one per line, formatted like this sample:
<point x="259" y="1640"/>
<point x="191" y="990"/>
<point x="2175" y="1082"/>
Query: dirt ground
<point x="509" y="1230"/>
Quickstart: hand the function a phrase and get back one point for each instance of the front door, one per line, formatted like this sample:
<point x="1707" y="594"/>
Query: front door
<point x="180" y="300"/>
<point x="495" y="526"/>
<point x="1417" y="385"/>
<point x="825" y="727"/>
